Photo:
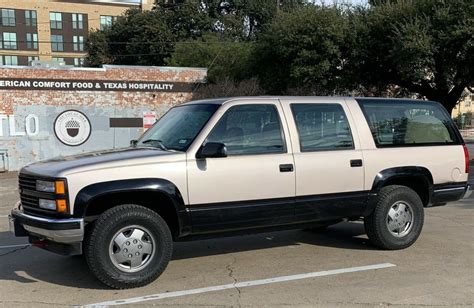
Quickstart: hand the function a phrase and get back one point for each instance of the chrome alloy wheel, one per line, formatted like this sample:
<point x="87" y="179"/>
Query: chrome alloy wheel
<point x="400" y="219"/>
<point x="132" y="248"/>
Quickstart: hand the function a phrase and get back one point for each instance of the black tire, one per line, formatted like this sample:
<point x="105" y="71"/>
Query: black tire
<point x="376" y="223"/>
<point x="98" y="241"/>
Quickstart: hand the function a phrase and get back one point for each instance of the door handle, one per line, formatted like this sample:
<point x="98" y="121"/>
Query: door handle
<point x="286" y="168"/>
<point x="356" y="162"/>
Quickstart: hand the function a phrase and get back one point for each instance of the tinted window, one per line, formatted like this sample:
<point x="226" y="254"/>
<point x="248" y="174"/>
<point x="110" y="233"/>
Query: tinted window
<point x="249" y="129"/>
<point x="178" y="128"/>
<point x="405" y="123"/>
<point x="322" y="127"/>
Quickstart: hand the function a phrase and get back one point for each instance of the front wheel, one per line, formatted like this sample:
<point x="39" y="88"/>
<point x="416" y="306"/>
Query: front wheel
<point x="128" y="246"/>
<point x="397" y="219"/>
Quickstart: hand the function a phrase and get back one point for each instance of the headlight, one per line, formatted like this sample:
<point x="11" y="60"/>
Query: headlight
<point x="47" y="204"/>
<point x="45" y="186"/>
<point x="57" y="187"/>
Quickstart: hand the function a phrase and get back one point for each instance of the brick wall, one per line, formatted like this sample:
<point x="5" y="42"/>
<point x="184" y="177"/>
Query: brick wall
<point x="37" y="110"/>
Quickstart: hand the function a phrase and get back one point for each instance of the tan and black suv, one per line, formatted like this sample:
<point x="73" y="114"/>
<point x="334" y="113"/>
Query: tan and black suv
<point x="251" y="164"/>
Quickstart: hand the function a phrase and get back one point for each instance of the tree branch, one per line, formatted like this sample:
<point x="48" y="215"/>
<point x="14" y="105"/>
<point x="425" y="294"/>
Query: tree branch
<point x="455" y="93"/>
<point x="424" y="88"/>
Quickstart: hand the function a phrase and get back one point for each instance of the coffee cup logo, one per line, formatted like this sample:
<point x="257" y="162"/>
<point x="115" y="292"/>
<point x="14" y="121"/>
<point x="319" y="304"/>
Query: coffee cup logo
<point x="72" y="127"/>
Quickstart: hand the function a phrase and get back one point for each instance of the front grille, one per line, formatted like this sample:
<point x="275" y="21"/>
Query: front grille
<point x="27" y="185"/>
<point x="27" y="182"/>
<point x="29" y="201"/>
<point x="29" y="196"/>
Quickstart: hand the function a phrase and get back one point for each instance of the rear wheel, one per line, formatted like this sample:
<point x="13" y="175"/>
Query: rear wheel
<point x="129" y="246"/>
<point x="397" y="219"/>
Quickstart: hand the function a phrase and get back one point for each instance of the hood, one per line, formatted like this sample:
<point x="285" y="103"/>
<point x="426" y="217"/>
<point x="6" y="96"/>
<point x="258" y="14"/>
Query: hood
<point x="60" y="166"/>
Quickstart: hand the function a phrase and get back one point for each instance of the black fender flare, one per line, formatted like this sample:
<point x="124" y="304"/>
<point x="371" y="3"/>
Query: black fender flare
<point x="390" y="174"/>
<point x="91" y="192"/>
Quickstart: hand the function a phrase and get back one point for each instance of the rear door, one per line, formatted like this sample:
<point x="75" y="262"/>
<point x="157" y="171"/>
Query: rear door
<point x="329" y="163"/>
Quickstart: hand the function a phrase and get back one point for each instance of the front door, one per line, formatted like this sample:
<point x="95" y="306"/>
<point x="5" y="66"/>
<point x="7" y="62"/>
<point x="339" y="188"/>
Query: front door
<point x="255" y="184"/>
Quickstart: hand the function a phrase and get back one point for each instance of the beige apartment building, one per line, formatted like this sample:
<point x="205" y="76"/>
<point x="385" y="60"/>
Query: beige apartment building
<point x="55" y="29"/>
<point x="464" y="106"/>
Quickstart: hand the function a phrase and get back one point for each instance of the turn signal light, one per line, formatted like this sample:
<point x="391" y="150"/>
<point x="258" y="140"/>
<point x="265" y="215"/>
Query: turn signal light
<point x="61" y="206"/>
<point x="60" y="187"/>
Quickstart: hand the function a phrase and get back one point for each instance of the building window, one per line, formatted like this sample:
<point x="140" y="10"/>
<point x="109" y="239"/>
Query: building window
<point x="8" y="18"/>
<point x="30" y="18"/>
<point x="32" y="41"/>
<point x="57" y="43"/>
<point x="78" y="62"/>
<point x="78" y="43"/>
<point x="9" y="40"/>
<point x="77" y="21"/>
<point x="10" y="60"/>
<point x="31" y="59"/>
<point x="107" y="21"/>
<point x="59" y="59"/>
<point x="56" y="20"/>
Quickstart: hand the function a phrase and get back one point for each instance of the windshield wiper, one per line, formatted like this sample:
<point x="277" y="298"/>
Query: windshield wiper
<point x="158" y="142"/>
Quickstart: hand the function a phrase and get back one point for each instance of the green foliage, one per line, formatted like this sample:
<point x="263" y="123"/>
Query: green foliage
<point x="185" y="18"/>
<point x="228" y="88"/>
<point x="97" y="46"/>
<point x="381" y="2"/>
<point x="425" y="46"/>
<point x="225" y="59"/>
<point x="137" y="38"/>
<point x="392" y="47"/>
<point x="304" y="51"/>
<point x="147" y="38"/>
<point x="240" y="19"/>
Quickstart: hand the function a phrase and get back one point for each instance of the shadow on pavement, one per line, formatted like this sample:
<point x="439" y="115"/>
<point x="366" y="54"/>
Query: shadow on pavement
<point x="31" y="264"/>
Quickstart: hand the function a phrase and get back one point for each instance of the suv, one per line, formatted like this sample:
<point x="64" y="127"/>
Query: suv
<point x="252" y="164"/>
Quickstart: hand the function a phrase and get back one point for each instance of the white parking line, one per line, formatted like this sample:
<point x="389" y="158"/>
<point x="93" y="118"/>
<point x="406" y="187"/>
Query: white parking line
<point x="14" y="246"/>
<point x="243" y="284"/>
<point x="3" y="216"/>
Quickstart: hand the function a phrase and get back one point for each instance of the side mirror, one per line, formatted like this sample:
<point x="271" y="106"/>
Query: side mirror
<point x="212" y="150"/>
<point x="133" y="143"/>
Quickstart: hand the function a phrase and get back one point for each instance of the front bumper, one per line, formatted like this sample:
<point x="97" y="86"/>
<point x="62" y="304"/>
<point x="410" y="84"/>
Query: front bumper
<point x="66" y="231"/>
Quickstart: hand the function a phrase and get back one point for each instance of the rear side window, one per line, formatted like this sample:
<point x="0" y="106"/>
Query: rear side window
<point x="408" y="123"/>
<point x="322" y="127"/>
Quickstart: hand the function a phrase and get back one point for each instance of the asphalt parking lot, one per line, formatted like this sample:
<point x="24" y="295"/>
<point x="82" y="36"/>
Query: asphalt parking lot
<point x="438" y="270"/>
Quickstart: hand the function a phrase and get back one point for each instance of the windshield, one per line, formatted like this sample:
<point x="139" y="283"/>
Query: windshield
<point x="178" y="128"/>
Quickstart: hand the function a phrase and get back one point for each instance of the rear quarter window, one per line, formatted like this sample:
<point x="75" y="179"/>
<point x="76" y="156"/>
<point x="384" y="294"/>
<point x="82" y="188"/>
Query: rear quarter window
<point x="397" y="123"/>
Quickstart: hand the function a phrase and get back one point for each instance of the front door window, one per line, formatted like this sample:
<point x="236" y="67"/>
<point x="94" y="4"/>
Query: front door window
<point x="250" y="129"/>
